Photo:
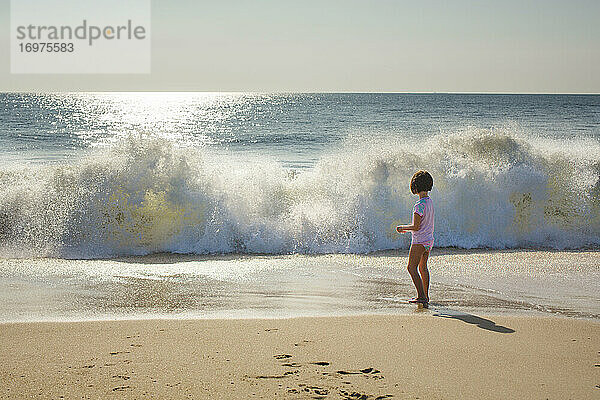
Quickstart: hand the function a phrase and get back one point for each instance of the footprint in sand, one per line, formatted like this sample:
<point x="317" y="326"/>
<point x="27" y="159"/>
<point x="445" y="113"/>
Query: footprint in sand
<point x="362" y="396"/>
<point x="342" y="372"/>
<point x="282" y="356"/>
<point x="320" y="363"/>
<point x="293" y="364"/>
<point x="317" y="390"/>
<point x="303" y="342"/>
<point x="353" y="395"/>
<point x="370" y="373"/>
<point x="114" y="353"/>
<point x="284" y="375"/>
<point x="120" y="388"/>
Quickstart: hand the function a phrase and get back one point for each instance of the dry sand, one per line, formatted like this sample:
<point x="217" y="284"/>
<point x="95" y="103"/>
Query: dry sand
<point x="407" y="356"/>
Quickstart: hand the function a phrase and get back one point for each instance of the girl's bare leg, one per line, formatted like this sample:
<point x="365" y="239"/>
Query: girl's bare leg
<point x="424" y="273"/>
<point x="414" y="257"/>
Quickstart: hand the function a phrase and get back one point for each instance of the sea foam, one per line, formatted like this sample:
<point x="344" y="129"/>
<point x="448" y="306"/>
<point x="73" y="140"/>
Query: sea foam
<point x="143" y="195"/>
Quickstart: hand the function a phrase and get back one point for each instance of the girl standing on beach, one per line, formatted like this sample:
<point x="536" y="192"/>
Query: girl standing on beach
<point x="422" y="235"/>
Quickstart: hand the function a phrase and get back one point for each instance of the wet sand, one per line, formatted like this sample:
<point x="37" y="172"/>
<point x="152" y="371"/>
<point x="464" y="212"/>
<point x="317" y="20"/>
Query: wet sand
<point x="486" y="282"/>
<point x="427" y="355"/>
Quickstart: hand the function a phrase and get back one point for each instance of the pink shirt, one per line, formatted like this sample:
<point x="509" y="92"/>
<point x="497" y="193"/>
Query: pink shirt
<point x="424" y="207"/>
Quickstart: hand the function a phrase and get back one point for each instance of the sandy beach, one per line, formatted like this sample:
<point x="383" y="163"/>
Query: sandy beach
<point x="425" y="355"/>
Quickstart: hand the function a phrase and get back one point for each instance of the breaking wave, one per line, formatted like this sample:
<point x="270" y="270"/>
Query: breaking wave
<point x="144" y="195"/>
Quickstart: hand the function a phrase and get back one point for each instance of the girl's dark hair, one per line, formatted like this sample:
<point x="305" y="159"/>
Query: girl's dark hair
<point x="421" y="182"/>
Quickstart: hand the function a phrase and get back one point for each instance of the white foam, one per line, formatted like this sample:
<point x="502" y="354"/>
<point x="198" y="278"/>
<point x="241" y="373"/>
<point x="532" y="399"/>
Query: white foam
<point x="143" y="195"/>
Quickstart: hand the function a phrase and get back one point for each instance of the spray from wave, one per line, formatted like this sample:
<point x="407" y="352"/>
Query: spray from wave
<point x="144" y="195"/>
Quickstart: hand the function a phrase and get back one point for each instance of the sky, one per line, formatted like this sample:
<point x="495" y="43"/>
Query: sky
<point x="353" y="46"/>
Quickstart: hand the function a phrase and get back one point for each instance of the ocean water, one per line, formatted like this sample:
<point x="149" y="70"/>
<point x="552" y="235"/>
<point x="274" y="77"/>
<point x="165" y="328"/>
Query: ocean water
<point x="88" y="175"/>
<point x="129" y="205"/>
<point x="480" y="282"/>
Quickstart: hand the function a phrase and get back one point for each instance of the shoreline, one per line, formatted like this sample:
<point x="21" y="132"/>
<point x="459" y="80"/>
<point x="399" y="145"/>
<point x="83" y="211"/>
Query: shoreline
<point x="377" y="356"/>
<point x="161" y="256"/>
<point x="243" y="315"/>
<point x="165" y="285"/>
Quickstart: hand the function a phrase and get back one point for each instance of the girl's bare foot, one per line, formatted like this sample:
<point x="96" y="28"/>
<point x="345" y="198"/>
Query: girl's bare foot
<point x="421" y="300"/>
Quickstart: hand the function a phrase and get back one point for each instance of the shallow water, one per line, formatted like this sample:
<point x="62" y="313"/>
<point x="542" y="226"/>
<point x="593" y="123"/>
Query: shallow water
<point x="245" y="286"/>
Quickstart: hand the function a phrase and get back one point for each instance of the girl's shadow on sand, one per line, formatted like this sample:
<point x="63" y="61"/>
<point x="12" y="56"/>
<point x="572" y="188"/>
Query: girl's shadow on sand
<point x="482" y="323"/>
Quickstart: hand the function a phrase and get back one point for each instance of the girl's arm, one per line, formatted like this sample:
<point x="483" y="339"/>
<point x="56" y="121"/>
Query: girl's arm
<point x="416" y="224"/>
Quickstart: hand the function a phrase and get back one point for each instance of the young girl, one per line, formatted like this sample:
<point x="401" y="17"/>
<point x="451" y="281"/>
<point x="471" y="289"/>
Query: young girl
<point x="422" y="235"/>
